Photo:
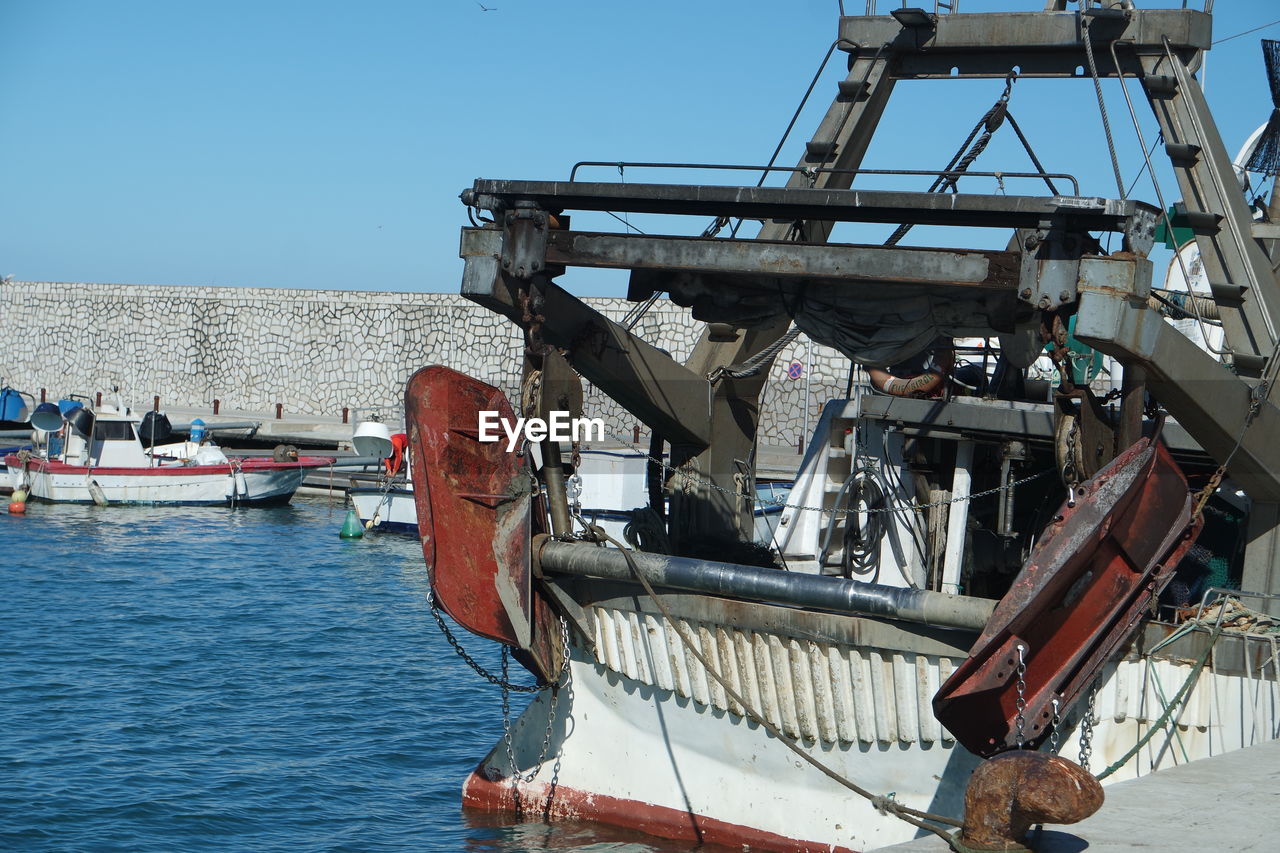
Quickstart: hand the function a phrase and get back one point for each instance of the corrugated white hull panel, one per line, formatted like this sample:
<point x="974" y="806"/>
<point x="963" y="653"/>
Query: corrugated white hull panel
<point x="643" y="723"/>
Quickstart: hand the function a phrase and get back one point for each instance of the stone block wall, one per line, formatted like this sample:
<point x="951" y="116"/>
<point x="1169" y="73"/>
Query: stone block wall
<point x="318" y="351"/>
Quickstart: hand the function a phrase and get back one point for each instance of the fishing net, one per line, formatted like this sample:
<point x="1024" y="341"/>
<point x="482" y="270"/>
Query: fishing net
<point x="1266" y="157"/>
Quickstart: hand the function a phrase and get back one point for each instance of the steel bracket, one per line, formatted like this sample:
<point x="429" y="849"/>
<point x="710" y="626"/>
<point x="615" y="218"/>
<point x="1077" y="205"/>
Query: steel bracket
<point x="524" y="241"/>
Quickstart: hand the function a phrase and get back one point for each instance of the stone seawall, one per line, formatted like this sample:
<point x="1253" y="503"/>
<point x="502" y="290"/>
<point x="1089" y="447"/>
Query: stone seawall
<point x="318" y="351"/>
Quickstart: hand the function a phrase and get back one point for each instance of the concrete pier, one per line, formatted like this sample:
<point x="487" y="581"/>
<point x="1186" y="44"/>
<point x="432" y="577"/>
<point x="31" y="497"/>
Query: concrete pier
<point x="1228" y="802"/>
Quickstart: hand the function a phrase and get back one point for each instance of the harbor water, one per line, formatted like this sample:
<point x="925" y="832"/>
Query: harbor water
<point x="211" y="679"/>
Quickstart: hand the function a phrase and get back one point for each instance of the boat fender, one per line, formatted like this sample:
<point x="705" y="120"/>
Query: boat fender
<point x="95" y="492"/>
<point x="17" y="507"/>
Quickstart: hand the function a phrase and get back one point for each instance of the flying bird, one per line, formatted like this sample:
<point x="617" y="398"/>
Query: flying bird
<point x="484" y="8"/>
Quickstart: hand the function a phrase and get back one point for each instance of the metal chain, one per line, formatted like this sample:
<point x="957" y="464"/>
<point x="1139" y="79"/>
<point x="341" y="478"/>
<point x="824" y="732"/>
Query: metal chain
<point x="1072" y="466"/>
<point x="1057" y="723"/>
<point x="562" y="678"/>
<point x="471" y="662"/>
<point x="1086" y="728"/>
<point x="689" y="477"/>
<point x="1021" y="721"/>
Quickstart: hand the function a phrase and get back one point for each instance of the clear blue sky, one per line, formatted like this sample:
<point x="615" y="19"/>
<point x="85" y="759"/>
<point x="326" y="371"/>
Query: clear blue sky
<point x="323" y="144"/>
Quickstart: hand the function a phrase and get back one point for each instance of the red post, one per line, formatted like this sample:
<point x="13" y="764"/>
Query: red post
<point x="216" y="404"/>
<point x="42" y="396"/>
<point x="345" y="414"/>
<point x="635" y="433"/>
<point x="279" y="410"/>
<point x="156" y="403"/>
<point x="98" y="404"/>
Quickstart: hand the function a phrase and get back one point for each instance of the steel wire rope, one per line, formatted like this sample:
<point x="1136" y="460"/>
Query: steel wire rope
<point x="965" y="155"/>
<point x="1155" y="183"/>
<point x="1026" y="144"/>
<point x="1246" y="32"/>
<point x="753" y="365"/>
<point x="795" y="116"/>
<point x="1102" y="104"/>
<point x="883" y="804"/>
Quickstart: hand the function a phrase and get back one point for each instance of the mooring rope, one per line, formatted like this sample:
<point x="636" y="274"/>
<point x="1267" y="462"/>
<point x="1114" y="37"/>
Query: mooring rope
<point x="1173" y="705"/>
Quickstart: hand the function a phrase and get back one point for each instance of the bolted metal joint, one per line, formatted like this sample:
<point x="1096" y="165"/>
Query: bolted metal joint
<point x="524" y="241"/>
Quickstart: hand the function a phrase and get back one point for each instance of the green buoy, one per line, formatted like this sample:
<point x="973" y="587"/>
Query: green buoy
<point x="351" y="528"/>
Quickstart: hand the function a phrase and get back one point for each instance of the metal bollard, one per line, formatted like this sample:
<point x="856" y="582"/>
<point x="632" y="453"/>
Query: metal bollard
<point x="216" y="405"/>
<point x="279" y="410"/>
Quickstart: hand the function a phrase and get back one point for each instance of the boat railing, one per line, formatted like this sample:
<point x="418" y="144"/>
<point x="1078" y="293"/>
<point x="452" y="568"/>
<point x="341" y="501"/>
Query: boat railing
<point x="940" y="7"/>
<point x="810" y="171"/>
<point x="392" y="416"/>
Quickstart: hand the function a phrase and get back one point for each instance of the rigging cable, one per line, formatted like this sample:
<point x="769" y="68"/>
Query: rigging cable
<point x="964" y="157"/>
<point x="1246" y="32"/>
<point x="1102" y="105"/>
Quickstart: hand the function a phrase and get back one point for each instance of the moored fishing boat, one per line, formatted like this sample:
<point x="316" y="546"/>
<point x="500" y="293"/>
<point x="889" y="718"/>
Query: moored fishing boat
<point x="108" y="455"/>
<point x="963" y="570"/>
<point x="612" y="484"/>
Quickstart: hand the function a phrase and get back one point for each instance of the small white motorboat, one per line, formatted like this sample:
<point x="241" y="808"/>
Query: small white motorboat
<point x="387" y="505"/>
<point x="111" y="456"/>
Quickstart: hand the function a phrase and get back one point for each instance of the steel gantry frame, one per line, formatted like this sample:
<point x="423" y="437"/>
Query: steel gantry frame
<point x="711" y="423"/>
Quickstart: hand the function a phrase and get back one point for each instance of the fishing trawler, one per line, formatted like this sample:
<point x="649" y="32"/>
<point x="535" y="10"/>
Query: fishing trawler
<point x="971" y="563"/>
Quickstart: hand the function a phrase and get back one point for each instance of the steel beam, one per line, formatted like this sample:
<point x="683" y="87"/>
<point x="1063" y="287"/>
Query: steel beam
<point x="1209" y="401"/>
<point x="764" y="262"/>
<point x="645" y="380"/>
<point x="1039" y="44"/>
<point x="1240" y="274"/>
<point x="1079" y="213"/>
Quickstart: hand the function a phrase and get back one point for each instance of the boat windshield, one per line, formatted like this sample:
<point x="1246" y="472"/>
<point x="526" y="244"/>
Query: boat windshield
<point x="113" y="431"/>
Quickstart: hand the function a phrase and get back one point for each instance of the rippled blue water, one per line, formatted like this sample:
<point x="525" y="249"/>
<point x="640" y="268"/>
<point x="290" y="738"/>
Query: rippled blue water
<point x="210" y="679"/>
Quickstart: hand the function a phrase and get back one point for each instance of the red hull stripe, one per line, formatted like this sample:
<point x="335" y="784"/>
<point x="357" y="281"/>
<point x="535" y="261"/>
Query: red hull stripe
<point x="495" y="796"/>
<point x="248" y="466"/>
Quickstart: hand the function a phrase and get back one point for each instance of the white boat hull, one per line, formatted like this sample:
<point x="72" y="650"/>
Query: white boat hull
<point x="391" y="510"/>
<point x="202" y="485"/>
<point x="643" y="738"/>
